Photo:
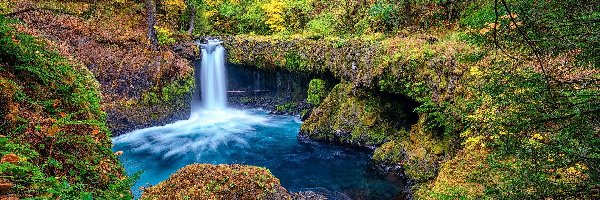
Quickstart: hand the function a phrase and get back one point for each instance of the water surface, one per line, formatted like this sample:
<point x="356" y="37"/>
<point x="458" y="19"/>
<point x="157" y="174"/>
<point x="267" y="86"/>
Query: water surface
<point x="252" y="137"/>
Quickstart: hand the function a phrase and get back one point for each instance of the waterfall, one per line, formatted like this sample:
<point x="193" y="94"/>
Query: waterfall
<point x="212" y="79"/>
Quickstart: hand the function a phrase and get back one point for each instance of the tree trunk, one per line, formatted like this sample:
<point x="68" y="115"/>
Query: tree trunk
<point x="151" y="11"/>
<point x="192" y="17"/>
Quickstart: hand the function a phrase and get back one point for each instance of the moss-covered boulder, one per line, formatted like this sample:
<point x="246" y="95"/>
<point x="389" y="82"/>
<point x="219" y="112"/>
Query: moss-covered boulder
<point x="205" y="181"/>
<point x="350" y="115"/>
<point x="420" y="152"/>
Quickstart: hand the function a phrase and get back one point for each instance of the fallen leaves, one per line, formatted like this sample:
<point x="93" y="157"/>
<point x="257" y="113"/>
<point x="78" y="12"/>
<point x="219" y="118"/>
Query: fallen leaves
<point x="10" y="158"/>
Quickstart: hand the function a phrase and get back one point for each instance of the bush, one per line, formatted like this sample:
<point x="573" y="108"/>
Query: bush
<point x="317" y="91"/>
<point x="324" y="25"/>
<point x="164" y="35"/>
<point x="275" y="12"/>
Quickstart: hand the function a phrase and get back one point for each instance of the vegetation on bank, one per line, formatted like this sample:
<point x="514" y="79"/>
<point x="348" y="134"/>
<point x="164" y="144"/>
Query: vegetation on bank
<point x="54" y="141"/>
<point x="108" y="37"/>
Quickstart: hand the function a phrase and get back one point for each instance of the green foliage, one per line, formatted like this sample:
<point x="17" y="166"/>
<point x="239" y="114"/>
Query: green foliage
<point x="322" y="26"/>
<point x="168" y="93"/>
<point x="286" y="107"/>
<point x="297" y="14"/>
<point x="317" y="91"/>
<point x="386" y="14"/>
<point x="165" y="36"/>
<point x="231" y="17"/>
<point x="545" y="138"/>
<point x="54" y="125"/>
<point x="253" y="20"/>
<point x="540" y="126"/>
<point x="5" y="7"/>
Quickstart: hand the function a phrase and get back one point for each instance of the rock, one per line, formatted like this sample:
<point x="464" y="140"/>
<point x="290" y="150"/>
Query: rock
<point x="118" y="153"/>
<point x="308" y="195"/>
<point x="187" y="50"/>
<point x="205" y="181"/>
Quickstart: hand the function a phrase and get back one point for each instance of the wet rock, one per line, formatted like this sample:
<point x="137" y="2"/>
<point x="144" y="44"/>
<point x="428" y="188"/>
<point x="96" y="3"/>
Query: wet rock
<point x="308" y="195"/>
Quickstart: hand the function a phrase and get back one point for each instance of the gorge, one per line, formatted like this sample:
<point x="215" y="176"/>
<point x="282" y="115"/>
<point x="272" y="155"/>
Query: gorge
<point x="218" y="134"/>
<point x="299" y="99"/>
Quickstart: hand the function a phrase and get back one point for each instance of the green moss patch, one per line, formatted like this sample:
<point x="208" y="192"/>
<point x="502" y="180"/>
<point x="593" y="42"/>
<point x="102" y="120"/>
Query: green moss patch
<point x="351" y="116"/>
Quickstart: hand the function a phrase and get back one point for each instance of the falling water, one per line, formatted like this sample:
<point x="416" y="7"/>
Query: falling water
<point x="212" y="76"/>
<point x="219" y="135"/>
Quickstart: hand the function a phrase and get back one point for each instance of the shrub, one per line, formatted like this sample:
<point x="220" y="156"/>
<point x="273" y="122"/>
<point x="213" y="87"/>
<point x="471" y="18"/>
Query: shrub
<point x="324" y="25"/>
<point x="317" y="91"/>
<point x="164" y="35"/>
<point x="275" y="12"/>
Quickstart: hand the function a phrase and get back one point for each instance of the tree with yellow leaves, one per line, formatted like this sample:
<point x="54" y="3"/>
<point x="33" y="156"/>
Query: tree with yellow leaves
<point x="275" y="12"/>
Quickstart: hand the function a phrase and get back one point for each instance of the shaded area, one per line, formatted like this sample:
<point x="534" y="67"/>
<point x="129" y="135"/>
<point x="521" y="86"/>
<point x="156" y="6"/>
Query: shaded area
<point x="278" y="91"/>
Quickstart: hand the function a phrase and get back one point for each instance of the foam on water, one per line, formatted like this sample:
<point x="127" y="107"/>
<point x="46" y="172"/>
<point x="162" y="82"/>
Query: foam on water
<point x="252" y="137"/>
<point x="218" y="135"/>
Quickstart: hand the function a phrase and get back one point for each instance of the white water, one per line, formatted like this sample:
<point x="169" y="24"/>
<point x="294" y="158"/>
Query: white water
<point x="212" y="76"/>
<point x="219" y="135"/>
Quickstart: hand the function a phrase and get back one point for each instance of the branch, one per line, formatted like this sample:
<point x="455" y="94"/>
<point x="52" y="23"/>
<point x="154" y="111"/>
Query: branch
<point x="496" y="42"/>
<point x="531" y="45"/>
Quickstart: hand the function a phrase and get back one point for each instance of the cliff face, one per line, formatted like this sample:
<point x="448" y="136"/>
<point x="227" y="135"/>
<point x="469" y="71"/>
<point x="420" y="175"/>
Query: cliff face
<point x="87" y="58"/>
<point x="108" y="38"/>
<point x="54" y="140"/>
<point x="394" y="94"/>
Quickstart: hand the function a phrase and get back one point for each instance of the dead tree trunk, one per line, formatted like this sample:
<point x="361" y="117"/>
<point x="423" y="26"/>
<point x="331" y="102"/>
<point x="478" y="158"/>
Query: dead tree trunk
<point x="151" y="22"/>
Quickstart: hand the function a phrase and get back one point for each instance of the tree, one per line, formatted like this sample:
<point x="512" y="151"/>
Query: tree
<point x="192" y="16"/>
<point x="151" y="22"/>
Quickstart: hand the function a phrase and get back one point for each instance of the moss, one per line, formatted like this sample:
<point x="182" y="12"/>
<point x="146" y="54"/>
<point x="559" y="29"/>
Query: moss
<point x="205" y="181"/>
<point x="420" y="152"/>
<point x="170" y="92"/>
<point x="389" y="153"/>
<point x="317" y="90"/>
<point x="286" y="107"/>
<point x="460" y="178"/>
<point x="55" y="133"/>
<point x="351" y="116"/>
<point x="293" y="61"/>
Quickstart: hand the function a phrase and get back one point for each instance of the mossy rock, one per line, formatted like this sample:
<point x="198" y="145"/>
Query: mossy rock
<point x="460" y="177"/>
<point x="206" y="181"/>
<point x="351" y="116"/>
<point x="420" y="152"/>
